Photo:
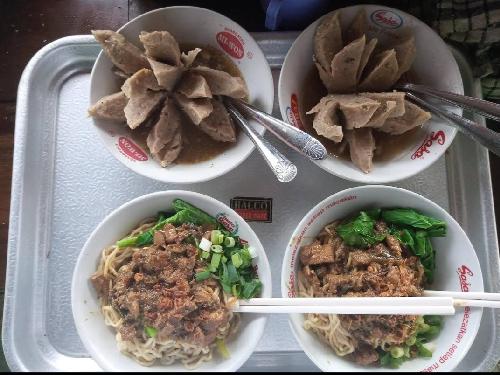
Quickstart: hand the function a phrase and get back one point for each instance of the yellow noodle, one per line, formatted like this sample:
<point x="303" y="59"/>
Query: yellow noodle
<point x="149" y="351"/>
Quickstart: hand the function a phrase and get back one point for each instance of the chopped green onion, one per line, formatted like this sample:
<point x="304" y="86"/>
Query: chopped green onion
<point x="203" y="275"/>
<point x="252" y="252"/>
<point x="216" y="248"/>
<point x="424" y="327"/>
<point x="224" y="259"/>
<point x="221" y="239"/>
<point x="229" y="242"/>
<point x="222" y="348"/>
<point x="251" y="289"/>
<point x="411" y="340"/>
<point x="407" y="351"/>
<point x="215" y="261"/>
<point x="232" y="273"/>
<point x="205" y="254"/>
<point x="397" y="352"/>
<point x="215" y="237"/>
<point x="151" y="331"/>
<point x="205" y="244"/>
<point x="211" y="268"/>
<point x="235" y="290"/>
<point x="236" y="259"/>
<point x="423" y="351"/>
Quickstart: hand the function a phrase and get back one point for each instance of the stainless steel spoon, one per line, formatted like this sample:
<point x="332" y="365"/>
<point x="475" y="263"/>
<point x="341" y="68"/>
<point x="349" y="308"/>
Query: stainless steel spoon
<point x="283" y="168"/>
<point x="293" y="137"/>
<point x="488" y="138"/>
<point x="483" y="107"/>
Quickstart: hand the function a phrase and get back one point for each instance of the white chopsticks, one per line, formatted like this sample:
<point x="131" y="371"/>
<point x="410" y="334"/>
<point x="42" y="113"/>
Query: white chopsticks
<point x="432" y="303"/>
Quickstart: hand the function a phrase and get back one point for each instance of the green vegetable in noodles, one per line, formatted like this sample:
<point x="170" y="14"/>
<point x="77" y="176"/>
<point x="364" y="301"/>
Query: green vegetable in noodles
<point x="127" y="241"/>
<point x="201" y="216"/>
<point x="229" y="242"/>
<point x="222" y="348"/>
<point x="215" y="237"/>
<point x="235" y="289"/>
<point x="146" y="238"/>
<point x="374" y="213"/>
<point x="422" y="350"/>
<point x="215" y="261"/>
<point x="387" y="360"/>
<point x="232" y="273"/>
<point x="428" y="327"/>
<point x="205" y="254"/>
<point x="251" y="289"/>
<point x="203" y="275"/>
<point x="397" y="352"/>
<point x="411" y="340"/>
<point x="246" y="258"/>
<point x="236" y="259"/>
<point x="359" y="232"/>
<point x="433" y="320"/>
<point x="434" y="325"/>
<point x="216" y="248"/>
<point x="404" y="236"/>
<point x="151" y="331"/>
<point x="409" y="217"/>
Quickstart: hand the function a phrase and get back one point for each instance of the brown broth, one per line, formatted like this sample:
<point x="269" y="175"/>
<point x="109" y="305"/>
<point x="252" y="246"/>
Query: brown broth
<point x="196" y="145"/>
<point x="388" y="147"/>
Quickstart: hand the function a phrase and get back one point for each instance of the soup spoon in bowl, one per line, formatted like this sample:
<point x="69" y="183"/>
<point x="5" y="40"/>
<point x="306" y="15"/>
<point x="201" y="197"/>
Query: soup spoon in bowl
<point x="295" y="138"/>
<point x="282" y="168"/>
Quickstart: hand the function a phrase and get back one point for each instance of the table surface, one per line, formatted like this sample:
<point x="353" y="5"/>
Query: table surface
<point x="26" y="26"/>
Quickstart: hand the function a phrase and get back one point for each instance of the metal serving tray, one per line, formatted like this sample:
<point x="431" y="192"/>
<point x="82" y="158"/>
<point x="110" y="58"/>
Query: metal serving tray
<point x="64" y="182"/>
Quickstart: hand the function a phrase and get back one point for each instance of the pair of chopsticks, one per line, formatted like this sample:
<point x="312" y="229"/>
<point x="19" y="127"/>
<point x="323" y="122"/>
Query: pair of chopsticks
<point x="432" y="303"/>
<point x="488" y="138"/>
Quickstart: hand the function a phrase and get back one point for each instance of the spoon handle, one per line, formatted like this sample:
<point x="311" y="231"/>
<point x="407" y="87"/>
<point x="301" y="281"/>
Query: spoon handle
<point x="488" y="138"/>
<point x="483" y="107"/>
<point x="293" y="137"/>
<point x="283" y="168"/>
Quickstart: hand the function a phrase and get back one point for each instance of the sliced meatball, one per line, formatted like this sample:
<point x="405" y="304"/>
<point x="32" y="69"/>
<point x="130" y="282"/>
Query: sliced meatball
<point x="110" y="107"/>
<point x="123" y="54"/>
<point x="161" y="46"/>
<point x="219" y="124"/>
<point x="165" y="138"/>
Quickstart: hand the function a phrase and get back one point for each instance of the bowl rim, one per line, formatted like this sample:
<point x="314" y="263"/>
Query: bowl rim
<point x="233" y="363"/>
<point x="353" y="191"/>
<point x="192" y="178"/>
<point x="389" y="178"/>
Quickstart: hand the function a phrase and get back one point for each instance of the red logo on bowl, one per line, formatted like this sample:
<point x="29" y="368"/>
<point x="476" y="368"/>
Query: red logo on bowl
<point x="131" y="150"/>
<point x="226" y="223"/>
<point x="293" y="112"/>
<point x="231" y="44"/>
<point x="463" y="272"/>
<point x="438" y="137"/>
<point x="386" y="19"/>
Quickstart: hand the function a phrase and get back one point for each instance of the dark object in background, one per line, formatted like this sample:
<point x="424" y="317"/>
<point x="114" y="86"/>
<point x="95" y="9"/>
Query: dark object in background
<point x="293" y="14"/>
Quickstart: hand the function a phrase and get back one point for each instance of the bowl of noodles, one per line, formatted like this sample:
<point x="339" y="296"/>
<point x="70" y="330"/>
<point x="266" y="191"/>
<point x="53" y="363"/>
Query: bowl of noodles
<point x="389" y="242"/>
<point x="155" y="283"/>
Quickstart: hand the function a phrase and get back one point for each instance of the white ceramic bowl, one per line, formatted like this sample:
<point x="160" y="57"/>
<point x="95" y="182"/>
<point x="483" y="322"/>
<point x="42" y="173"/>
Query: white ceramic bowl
<point x="99" y="339"/>
<point x="200" y="27"/>
<point x="457" y="269"/>
<point x="434" y="66"/>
